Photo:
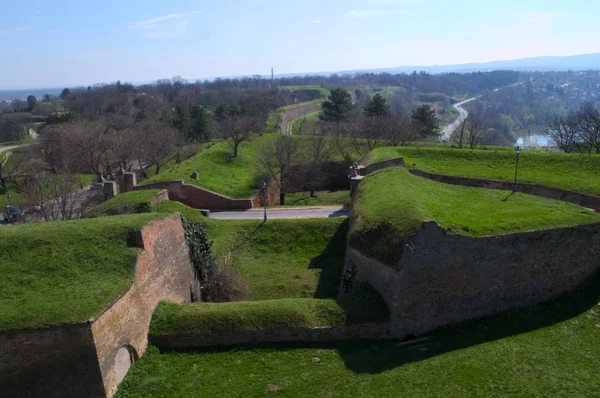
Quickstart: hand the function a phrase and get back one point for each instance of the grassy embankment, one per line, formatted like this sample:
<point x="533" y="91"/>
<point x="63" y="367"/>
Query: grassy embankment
<point x="64" y="272"/>
<point x="128" y="202"/>
<point x="573" y="172"/>
<point x="362" y="305"/>
<point x="218" y="170"/>
<point x="544" y="350"/>
<point x="391" y="204"/>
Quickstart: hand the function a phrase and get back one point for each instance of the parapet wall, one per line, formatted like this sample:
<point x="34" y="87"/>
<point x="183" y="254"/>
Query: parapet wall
<point x="589" y="201"/>
<point x="290" y="114"/>
<point x="370" y="331"/>
<point x="198" y="198"/>
<point x="442" y="279"/>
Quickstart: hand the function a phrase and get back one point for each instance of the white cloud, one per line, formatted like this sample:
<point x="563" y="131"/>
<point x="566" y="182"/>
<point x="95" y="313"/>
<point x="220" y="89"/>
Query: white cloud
<point x="316" y="21"/>
<point x="537" y="17"/>
<point x="372" y="13"/>
<point x="170" y="25"/>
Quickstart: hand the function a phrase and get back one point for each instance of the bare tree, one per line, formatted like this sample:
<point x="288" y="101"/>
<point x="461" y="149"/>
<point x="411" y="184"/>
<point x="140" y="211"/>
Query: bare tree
<point x="366" y="133"/>
<point x="317" y="151"/>
<point x="11" y="164"/>
<point x="158" y="144"/>
<point x="459" y="135"/>
<point x="401" y="131"/>
<point x="564" y="132"/>
<point x="276" y="161"/>
<point x="589" y="127"/>
<point x="477" y="129"/>
<point x="236" y="129"/>
<point x="57" y="196"/>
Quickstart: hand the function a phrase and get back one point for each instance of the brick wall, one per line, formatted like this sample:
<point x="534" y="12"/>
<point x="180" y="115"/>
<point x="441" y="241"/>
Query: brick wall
<point x="80" y="359"/>
<point x="443" y="279"/>
<point x="58" y="361"/>
<point x="162" y="272"/>
<point x="370" y="331"/>
<point x="198" y="198"/>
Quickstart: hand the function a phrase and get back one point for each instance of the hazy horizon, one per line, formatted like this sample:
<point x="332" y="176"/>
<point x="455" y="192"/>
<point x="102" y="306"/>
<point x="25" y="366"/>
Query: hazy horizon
<point x="67" y="43"/>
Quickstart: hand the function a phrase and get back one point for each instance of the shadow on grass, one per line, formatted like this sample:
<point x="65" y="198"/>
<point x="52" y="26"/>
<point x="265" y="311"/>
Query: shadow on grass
<point x="509" y="195"/>
<point x="373" y="357"/>
<point x="331" y="263"/>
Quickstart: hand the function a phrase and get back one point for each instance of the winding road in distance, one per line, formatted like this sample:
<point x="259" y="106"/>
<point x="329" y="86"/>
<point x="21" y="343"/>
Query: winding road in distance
<point x="449" y="129"/>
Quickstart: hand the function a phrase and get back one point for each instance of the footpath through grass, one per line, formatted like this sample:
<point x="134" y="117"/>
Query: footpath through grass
<point x="391" y="204"/>
<point x="218" y="170"/>
<point x="67" y="271"/>
<point x="548" y="350"/>
<point x="573" y="172"/>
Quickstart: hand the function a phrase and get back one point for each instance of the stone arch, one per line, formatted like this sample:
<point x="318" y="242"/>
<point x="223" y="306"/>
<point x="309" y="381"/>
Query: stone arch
<point x="126" y="356"/>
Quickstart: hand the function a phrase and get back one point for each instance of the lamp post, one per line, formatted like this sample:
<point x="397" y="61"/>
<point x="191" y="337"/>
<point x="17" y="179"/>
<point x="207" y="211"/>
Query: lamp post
<point x="9" y="198"/>
<point x="518" y="152"/>
<point x="265" y="198"/>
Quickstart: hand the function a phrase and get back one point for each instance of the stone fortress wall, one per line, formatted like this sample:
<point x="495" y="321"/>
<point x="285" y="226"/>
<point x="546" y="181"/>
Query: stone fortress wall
<point x="90" y="358"/>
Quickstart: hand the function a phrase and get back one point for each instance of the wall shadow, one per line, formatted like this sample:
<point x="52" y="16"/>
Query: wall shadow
<point x="381" y="356"/>
<point x="331" y="263"/>
<point x="373" y="357"/>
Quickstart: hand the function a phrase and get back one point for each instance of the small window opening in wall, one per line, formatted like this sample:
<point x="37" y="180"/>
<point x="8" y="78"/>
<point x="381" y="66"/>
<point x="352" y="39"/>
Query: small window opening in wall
<point x="123" y="361"/>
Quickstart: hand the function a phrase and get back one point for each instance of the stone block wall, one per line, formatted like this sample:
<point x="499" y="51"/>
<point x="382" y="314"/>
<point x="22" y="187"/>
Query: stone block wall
<point x="369" y="331"/>
<point x="290" y="114"/>
<point x="442" y="279"/>
<point x="82" y="359"/>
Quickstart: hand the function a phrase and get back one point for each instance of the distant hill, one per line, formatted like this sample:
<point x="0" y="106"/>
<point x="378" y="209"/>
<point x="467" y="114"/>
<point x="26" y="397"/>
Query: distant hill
<point x="547" y="63"/>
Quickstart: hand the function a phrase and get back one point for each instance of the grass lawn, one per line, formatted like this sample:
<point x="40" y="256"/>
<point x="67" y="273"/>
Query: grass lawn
<point x="279" y="259"/>
<point x="573" y="172"/>
<point x="362" y="305"/>
<point x="283" y="258"/>
<point x="548" y="350"/>
<point x="323" y="90"/>
<point x="127" y="202"/>
<point x="320" y="198"/>
<point x="310" y="120"/>
<point x="15" y="196"/>
<point x="391" y="204"/>
<point x="218" y="171"/>
<point x="67" y="271"/>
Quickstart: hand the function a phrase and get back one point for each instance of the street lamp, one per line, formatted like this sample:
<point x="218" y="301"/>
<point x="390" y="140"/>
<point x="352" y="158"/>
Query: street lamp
<point x="8" y="197"/>
<point x="265" y="199"/>
<point x="518" y="152"/>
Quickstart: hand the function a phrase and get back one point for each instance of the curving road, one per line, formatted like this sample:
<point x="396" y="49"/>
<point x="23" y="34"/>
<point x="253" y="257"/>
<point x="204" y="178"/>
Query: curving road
<point x="284" y="213"/>
<point x="448" y="130"/>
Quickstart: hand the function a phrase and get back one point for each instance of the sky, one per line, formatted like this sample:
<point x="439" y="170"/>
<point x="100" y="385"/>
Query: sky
<point x="72" y="42"/>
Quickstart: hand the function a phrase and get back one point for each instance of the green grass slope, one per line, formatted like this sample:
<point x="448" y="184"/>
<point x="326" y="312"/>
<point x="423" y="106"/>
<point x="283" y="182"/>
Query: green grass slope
<point x="127" y="202"/>
<point x="362" y="305"/>
<point x="218" y="171"/>
<point x="548" y="350"/>
<point x="573" y="172"/>
<point x="391" y="204"/>
<point x="283" y="258"/>
<point x="67" y="271"/>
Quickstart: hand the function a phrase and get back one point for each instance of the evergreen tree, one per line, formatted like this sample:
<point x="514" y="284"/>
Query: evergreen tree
<point x="376" y="106"/>
<point x="426" y="121"/>
<point x="337" y="107"/>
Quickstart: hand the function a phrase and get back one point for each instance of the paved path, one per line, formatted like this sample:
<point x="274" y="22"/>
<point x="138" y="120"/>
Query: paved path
<point x="9" y="148"/>
<point x="284" y="213"/>
<point x="448" y="130"/>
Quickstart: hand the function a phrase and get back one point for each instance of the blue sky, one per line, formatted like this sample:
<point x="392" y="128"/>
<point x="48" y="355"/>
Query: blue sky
<point x="66" y="42"/>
